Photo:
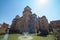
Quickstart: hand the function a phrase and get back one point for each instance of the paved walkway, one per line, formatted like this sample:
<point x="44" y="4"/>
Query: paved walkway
<point x="5" y="37"/>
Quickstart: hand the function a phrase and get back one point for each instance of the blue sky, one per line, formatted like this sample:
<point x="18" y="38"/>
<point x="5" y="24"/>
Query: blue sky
<point x="10" y="8"/>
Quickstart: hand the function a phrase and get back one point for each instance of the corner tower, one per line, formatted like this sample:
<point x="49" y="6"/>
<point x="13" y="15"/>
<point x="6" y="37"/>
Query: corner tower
<point x="26" y="17"/>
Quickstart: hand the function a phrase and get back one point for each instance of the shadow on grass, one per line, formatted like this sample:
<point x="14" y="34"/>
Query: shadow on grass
<point x="42" y="35"/>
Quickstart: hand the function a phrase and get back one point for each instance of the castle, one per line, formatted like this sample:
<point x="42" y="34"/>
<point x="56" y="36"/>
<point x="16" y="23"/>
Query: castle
<point x="28" y="22"/>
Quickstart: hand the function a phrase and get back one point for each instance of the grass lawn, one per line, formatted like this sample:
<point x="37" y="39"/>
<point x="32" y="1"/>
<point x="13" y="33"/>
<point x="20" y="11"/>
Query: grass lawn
<point x="15" y="37"/>
<point x="1" y="37"/>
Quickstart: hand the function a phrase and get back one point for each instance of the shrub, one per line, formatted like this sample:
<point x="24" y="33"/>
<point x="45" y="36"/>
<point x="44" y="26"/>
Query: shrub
<point x="44" y="33"/>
